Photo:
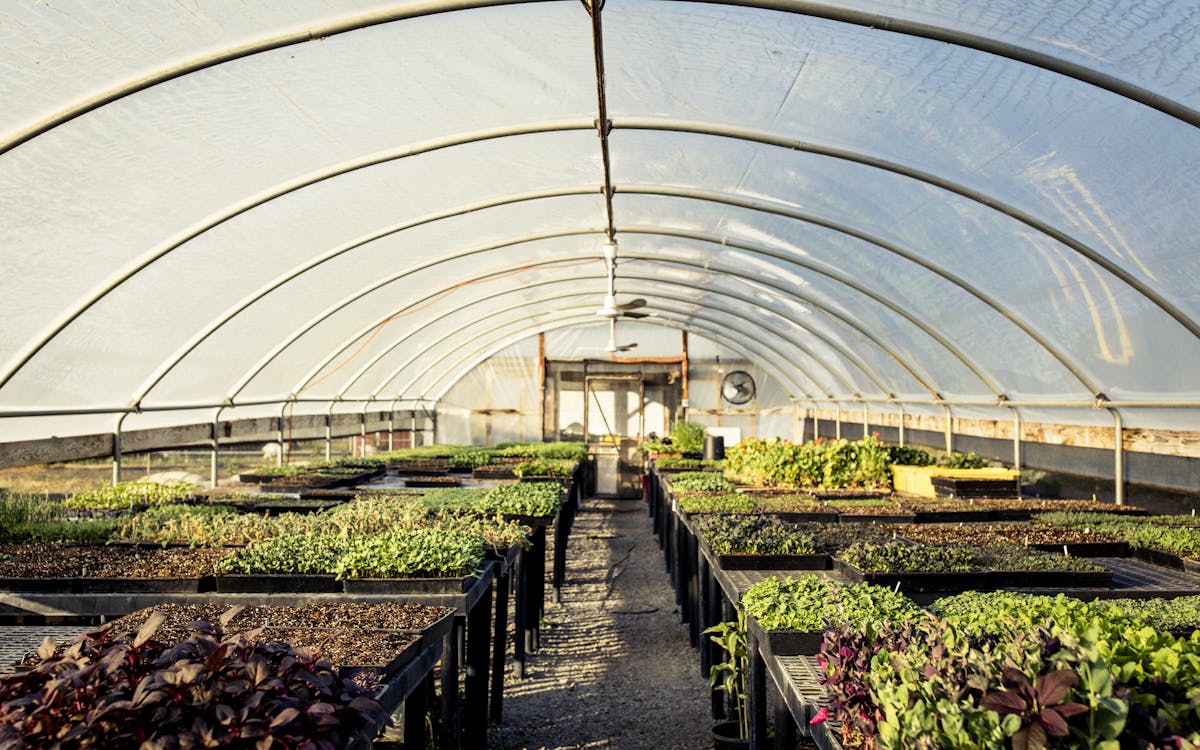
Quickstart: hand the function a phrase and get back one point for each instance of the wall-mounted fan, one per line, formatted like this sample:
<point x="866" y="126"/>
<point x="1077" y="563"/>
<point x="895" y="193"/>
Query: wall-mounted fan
<point x="737" y="387"/>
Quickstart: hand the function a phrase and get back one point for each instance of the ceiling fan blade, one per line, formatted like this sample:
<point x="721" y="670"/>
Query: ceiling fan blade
<point x="632" y="304"/>
<point x="635" y="315"/>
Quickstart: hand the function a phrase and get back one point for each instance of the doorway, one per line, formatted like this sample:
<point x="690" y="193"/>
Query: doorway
<point x="612" y="406"/>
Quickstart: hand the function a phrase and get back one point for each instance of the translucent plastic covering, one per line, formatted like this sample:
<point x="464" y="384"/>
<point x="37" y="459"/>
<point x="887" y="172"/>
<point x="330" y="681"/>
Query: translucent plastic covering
<point x="906" y="203"/>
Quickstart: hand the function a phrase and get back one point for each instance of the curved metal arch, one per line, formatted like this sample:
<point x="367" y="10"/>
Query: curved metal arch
<point x="890" y="247"/>
<point x="132" y="269"/>
<point x="491" y="349"/>
<point x="928" y="178"/>
<point x="283" y="345"/>
<point x="593" y="293"/>
<point x="1015" y="52"/>
<point x="835" y="277"/>
<point x="874" y="21"/>
<point x="21" y="358"/>
<point x="705" y="324"/>
<point x="310" y="32"/>
<point x="691" y="194"/>
<point x="295" y="272"/>
<point x="746" y="299"/>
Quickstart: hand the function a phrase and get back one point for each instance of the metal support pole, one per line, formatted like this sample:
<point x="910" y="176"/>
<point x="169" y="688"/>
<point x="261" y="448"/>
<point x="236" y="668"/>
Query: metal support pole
<point x="392" y="427"/>
<point x="946" y="418"/>
<point x="329" y="432"/>
<point x="362" y="432"/>
<point x="837" y="430"/>
<point x="216" y="447"/>
<point x="279" y="436"/>
<point x="816" y="421"/>
<point x="901" y="425"/>
<point x="116" y="460"/>
<point x="412" y="430"/>
<point x="1118" y="458"/>
<point x="866" y="422"/>
<point x="1017" y="446"/>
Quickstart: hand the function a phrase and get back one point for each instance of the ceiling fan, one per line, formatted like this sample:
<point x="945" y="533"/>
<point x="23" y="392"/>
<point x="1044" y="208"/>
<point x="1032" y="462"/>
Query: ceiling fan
<point x="613" y="347"/>
<point x="610" y="309"/>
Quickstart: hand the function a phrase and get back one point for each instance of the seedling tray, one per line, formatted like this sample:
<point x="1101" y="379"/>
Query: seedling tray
<point x="401" y="586"/>
<point x="238" y="583"/>
<point x="1166" y="559"/>
<point x="816" y="516"/>
<point x="773" y="643"/>
<point x="816" y="561"/>
<point x="79" y="585"/>
<point x="876" y="518"/>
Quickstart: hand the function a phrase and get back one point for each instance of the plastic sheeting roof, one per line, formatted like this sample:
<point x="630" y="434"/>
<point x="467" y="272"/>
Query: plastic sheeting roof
<point x="905" y="201"/>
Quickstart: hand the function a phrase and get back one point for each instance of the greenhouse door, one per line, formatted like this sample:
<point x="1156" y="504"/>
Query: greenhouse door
<point x="614" y="420"/>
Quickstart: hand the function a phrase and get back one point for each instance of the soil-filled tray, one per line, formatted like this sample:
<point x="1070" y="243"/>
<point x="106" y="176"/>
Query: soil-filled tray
<point x="493" y="472"/>
<point x="401" y="586"/>
<point x="380" y="637"/>
<point x="816" y="561"/>
<point x="1022" y="509"/>
<point x="107" y="585"/>
<point x="1039" y="536"/>
<point x="785" y="642"/>
<point x="920" y="582"/>
<point x="876" y="518"/>
<point x="383" y="652"/>
<point x="982" y="515"/>
<point x="242" y="583"/>
<point x="49" y="560"/>
<point x="816" y="516"/>
<point x="300" y="505"/>
<point x="432" y="480"/>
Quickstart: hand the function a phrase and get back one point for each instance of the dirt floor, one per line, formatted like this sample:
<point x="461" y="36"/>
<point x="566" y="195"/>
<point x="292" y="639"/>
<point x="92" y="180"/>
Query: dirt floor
<point x="615" y="669"/>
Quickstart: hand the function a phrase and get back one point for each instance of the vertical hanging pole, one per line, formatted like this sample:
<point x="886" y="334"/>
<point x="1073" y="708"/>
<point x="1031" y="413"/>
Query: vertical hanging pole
<point x="116" y="456"/>
<point x="1017" y="446"/>
<point x="866" y="422"/>
<point x="216" y="448"/>
<point x="433" y="422"/>
<point x="816" y="420"/>
<point x="901" y="425"/>
<point x="412" y="429"/>
<point x="1118" y="458"/>
<point x="949" y="436"/>
<point x="837" y="429"/>
<point x="797" y="422"/>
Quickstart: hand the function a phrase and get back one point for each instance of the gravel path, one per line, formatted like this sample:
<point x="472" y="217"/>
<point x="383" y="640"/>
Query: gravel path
<point x="615" y="669"/>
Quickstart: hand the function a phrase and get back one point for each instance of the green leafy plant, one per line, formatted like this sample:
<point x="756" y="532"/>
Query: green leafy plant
<point x="127" y="690"/>
<point x="730" y="676"/>
<point x="672" y="463"/>
<point x="524" y="499"/>
<point x="908" y="456"/>
<point x="130" y="495"/>
<point x="404" y="553"/>
<point x="808" y="603"/>
<point x="962" y="461"/>
<point x="33" y="518"/>
<point x="754" y="535"/>
<point x="545" y="468"/>
<point x="820" y="463"/>
<point x="701" y="481"/>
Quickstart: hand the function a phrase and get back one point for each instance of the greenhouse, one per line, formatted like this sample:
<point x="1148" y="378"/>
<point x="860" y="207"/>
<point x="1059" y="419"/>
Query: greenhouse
<point x="623" y="374"/>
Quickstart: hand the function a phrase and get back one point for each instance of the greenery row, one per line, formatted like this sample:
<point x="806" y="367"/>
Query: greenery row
<point x="442" y="532"/>
<point x="1178" y="534"/>
<point x="996" y="670"/>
